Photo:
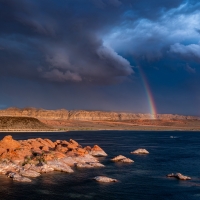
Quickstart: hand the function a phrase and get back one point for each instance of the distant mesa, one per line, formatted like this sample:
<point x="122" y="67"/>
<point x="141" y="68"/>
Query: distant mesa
<point x="9" y="123"/>
<point x="63" y="114"/>
<point x="62" y="120"/>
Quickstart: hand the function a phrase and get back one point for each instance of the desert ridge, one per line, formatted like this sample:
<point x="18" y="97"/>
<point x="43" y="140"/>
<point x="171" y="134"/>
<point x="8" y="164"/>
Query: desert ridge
<point x="32" y="119"/>
<point x="10" y="123"/>
<point x="84" y="115"/>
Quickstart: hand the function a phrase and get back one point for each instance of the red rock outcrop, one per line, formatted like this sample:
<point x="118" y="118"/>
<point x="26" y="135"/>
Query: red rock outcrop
<point x="8" y="143"/>
<point x="31" y="157"/>
<point x="122" y="159"/>
<point x="97" y="151"/>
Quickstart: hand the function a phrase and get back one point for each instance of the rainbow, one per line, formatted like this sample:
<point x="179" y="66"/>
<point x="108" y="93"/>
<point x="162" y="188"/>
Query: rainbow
<point x="150" y="98"/>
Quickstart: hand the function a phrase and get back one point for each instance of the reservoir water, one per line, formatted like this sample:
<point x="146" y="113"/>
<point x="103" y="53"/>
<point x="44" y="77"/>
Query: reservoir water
<point x="145" y="179"/>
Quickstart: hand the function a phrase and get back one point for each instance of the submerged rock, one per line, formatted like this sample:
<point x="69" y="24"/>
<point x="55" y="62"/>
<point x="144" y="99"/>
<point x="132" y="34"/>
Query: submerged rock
<point x="104" y="179"/>
<point x="179" y="176"/>
<point x="89" y="165"/>
<point x="17" y="177"/>
<point x="29" y="173"/>
<point x="123" y="159"/>
<point x="140" y="151"/>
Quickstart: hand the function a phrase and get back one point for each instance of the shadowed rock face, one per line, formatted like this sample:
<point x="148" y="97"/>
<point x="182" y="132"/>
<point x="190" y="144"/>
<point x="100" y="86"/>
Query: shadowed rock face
<point x="84" y="115"/>
<point x="30" y="158"/>
<point x="179" y="176"/>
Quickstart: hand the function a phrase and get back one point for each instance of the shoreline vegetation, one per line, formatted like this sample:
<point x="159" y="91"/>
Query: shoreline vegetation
<point x="40" y="120"/>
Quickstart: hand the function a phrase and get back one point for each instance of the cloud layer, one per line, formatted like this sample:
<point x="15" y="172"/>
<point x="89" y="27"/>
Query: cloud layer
<point x="153" y="39"/>
<point x="60" y="41"/>
<point x="81" y="42"/>
<point x="87" y="54"/>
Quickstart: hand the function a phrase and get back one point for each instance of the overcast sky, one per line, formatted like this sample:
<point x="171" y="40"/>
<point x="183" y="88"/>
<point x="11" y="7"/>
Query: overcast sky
<point x="95" y="55"/>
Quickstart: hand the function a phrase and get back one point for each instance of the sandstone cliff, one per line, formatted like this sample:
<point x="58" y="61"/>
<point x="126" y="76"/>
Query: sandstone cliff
<point x="63" y="114"/>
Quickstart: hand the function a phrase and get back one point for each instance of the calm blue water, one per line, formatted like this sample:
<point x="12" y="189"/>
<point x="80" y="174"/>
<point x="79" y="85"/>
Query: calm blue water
<point x="144" y="179"/>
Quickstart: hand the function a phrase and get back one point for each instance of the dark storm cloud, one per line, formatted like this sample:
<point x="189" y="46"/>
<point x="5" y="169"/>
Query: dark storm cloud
<point x="61" y="40"/>
<point x="78" y="41"/>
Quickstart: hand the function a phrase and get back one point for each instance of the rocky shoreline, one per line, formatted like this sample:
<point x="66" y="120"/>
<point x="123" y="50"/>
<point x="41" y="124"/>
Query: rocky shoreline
<point x="25" y="159"/>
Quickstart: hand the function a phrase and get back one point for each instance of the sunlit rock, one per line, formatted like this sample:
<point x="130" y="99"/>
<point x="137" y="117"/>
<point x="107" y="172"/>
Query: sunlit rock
<point x="122" y="159"/>
<point x="8" y="143"/>
<point x="89" y="165"/>
<point x="30" y="158"/>
<point x="104" y="179"/>
<point x="140" y="151"/>
<point x="97" y="151"/>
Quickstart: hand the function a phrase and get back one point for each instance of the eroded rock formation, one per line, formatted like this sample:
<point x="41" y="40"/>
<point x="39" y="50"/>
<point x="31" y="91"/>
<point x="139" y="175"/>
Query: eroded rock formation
<point x="29" y="158"/>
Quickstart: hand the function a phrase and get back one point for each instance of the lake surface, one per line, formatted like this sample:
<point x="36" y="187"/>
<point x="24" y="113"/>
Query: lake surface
<point x="144" y="179"/>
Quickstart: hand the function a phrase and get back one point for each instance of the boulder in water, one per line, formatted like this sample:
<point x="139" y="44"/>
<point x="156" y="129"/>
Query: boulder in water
<point x="140" y="151"/>
<point x="29" y="173"/>
<point x="97" y="151"/>
<point x="122" y="159"/>
<point x="104" y="179"/>
<point x="17" y="177"/>
<point x="179" y="176"/>
<point x="89" y="165"/>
